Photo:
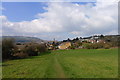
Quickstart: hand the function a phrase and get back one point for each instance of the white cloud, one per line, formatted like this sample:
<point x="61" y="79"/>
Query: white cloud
<point x="76" y="33"/>
<point x="72" y="18"/>
<point x="114" y="32"/>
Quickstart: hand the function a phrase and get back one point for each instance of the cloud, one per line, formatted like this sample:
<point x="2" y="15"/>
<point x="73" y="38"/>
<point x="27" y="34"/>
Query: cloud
<point x="71" y="19"/>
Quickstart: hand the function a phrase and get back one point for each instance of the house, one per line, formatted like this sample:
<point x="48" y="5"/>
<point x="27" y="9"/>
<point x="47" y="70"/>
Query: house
<point x="50" y="45"/>
<point x="93" y="39"/>
<point x="101" y="41"/>
<point x="86" y="39"/>
<point x="64" y="45"/>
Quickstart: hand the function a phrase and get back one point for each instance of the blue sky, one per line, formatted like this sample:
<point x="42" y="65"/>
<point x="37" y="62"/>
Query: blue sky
<point x="22" y="11"/>
<point x="26" y="11"/>
<point x="58" y="20"/>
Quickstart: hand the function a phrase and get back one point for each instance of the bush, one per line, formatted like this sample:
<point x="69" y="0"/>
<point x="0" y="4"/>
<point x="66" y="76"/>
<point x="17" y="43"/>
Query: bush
<point x="77" y="44"/>
<point x="87" y="45"/>
<point x="20" y="55"/>
<point x="8" y="47"/>
<point x="107" y="46"/>
<point x="31" y="50"/>
<point x="34" y="49"/>
<point x="96" y="45"/>
<point x="42" y="48"/>
<point x="72" y="47"/>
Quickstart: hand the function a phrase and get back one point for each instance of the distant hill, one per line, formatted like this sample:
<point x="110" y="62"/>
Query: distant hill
<point x="112" y="38"/>
<point x="24" y="39"/>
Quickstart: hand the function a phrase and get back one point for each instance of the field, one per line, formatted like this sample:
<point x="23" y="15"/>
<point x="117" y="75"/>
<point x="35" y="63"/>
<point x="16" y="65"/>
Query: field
<point x="80" y="63"/>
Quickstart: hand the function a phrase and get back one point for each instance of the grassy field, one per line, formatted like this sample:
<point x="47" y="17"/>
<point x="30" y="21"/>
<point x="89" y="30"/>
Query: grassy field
<point x="82" y="63"/>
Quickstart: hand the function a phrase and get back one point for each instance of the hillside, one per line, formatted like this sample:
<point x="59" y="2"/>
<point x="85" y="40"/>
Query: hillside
<point x="79" y="63"/>
<point x="112" y="38"/>
<point x="23" y="39"/>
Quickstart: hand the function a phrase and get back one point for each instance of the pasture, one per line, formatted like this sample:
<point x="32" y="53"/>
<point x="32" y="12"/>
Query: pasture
<point x="80" y="63"/>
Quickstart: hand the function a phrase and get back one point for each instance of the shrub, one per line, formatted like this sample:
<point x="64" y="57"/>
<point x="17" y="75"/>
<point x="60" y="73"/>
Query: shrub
<point x="31" y="50"/>
<point x="20" y="55"/>
<point x="77" y="44"/>
<point x="107" y="46"/>
<point x="8" y="47"/>
<point x="42" y="48"/>
<point x="96" y="45"/>
<point x="72" y="47"/>
<point x="34" y="49"/>
<point x="93" y="45"/>
<point x="101" y="44"/>
<point x="87" y="45"/>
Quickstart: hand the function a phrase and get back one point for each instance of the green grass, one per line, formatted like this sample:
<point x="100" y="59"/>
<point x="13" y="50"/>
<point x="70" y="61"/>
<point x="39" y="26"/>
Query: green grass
<point x="81" y="63"/>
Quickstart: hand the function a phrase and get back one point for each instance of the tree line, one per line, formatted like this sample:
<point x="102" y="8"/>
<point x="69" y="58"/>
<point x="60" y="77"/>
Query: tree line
<point x="11" y="51"/>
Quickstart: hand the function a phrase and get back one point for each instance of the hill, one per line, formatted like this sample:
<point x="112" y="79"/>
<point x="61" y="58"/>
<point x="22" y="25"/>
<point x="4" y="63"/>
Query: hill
<point x="79" y="63"/>
<point x="23" y="39"/>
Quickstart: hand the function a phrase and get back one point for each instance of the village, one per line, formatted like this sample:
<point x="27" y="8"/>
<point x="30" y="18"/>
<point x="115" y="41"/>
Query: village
<point x="32" y="48"/>
<point x="75" y="43"/>
<point x="59" y="39"/>
<point x="66" y="44"/>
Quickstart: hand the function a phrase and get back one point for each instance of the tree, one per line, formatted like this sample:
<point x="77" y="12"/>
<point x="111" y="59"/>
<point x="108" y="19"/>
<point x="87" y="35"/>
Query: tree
<point x="34" y="49"/>
<point x="101" y="36"/>
<point x="80" y="37"/>
<point x="77" y="38"/>
<point x="68" y="39"/>
<point x="8" y="47"/>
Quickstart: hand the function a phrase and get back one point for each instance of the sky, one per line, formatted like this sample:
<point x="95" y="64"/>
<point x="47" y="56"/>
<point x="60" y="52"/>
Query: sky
<point x="59" y="20"/>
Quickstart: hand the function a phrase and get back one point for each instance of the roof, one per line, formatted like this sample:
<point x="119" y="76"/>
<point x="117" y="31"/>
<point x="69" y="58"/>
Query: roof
<point x="63" y="43"/>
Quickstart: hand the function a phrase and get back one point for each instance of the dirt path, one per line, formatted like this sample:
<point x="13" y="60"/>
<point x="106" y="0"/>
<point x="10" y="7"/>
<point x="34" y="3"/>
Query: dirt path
<point x="59" y="71"/>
